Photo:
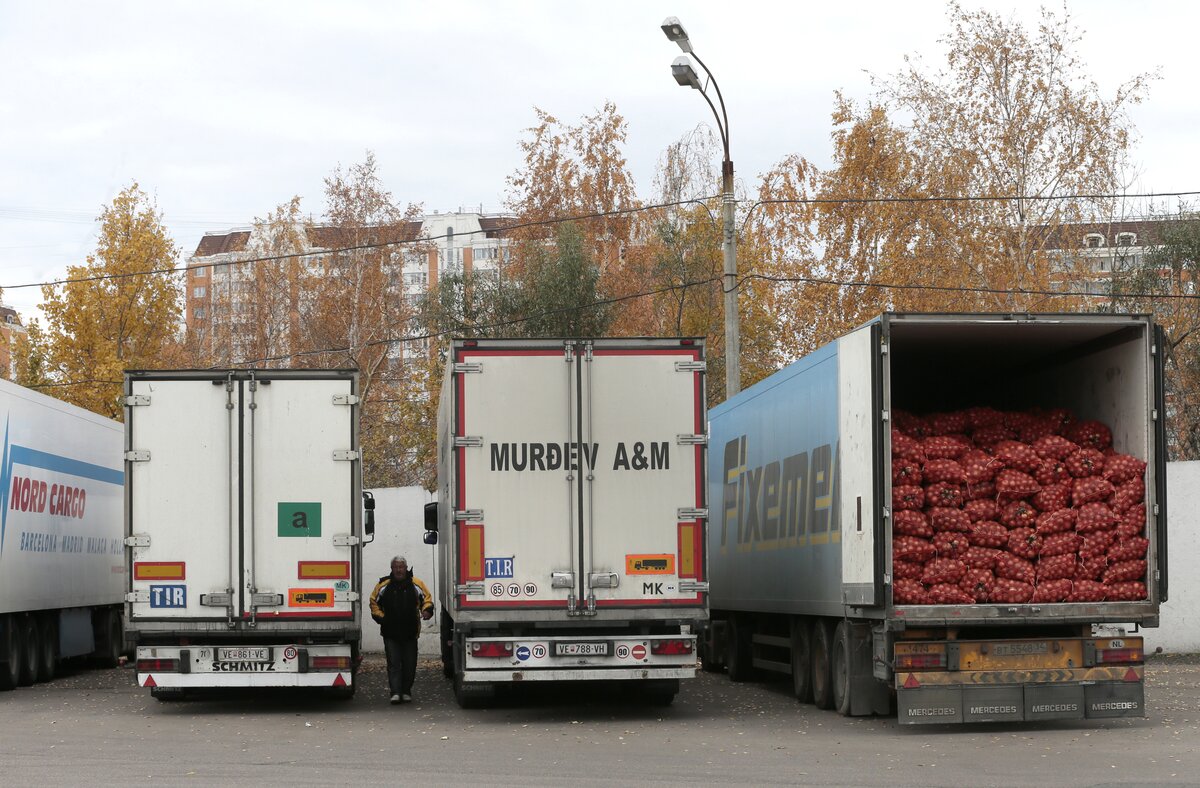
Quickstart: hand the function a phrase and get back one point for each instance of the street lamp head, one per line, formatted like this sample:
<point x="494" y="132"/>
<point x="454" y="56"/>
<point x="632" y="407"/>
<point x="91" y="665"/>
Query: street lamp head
<point x="684" y="74"/>
<point x="675" y="32"/>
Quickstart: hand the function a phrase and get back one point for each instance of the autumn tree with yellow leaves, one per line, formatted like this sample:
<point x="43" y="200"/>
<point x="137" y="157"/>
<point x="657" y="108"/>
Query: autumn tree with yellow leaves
<point x="118" y="311"/>
<point x="950" y="183"/>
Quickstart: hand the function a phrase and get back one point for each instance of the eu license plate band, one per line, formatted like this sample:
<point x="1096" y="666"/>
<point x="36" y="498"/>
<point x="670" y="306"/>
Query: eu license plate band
<point x="583" y="648"/>
<point x="256" y="654"/>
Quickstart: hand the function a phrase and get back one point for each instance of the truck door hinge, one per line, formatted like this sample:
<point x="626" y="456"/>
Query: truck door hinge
<point x="572" y="605"/>
<point x="345" y="455"/>
<point x="345" y="596"/>
<point x="464" y="367"/>
<point x="137" y="596"/>
<point x="692" y="440"/>
<point x="691" y="366"/>
<point x="345" y="540"/>
<point x="686" y="513"/>
<point x="469" y="589"/>
<point x="133" y="400"/>
<point x="885" y="415"/>
<point x="138" y="540"/>
<point x="346" y="399"/>
<point x="137" y="455"/>
<point x="468" y="440"/>
<point x="473" y="515"/>
<point x="590" y="610"/>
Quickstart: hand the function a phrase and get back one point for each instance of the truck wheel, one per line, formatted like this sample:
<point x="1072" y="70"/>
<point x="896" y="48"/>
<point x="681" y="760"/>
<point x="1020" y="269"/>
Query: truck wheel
<point x="840" y="667"/>
<point x="446" y="638"/>
<point x="10" y="655"/>
<point x="109" y="643"/>
<point x="48" y="655"/>
<point x="660" y="692"/>
<point x="822" y="655"/>
<point x="708" y="650"/>
<point x="739" y="653"/>
<point x="802" y="660"/>
<point x="30" y="650"/>
<point x="471" y="695"/>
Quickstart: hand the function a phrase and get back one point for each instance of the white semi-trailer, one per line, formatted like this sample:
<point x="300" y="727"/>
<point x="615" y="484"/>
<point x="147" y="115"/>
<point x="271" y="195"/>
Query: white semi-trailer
<point x="571" y="512"/>
<point x="61" y="558"/>
<point x="244" y="525"/>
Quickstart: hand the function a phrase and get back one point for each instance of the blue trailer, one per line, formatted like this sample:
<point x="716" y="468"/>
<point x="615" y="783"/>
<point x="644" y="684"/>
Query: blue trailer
<point x="800" y="538"/>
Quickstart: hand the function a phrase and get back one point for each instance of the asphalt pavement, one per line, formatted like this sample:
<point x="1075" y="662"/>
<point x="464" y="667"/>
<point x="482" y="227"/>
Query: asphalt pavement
<point x="94" y="727"/>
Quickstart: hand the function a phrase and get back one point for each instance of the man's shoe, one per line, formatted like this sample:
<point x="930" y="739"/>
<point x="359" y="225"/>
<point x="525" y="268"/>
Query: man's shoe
<point x="396" y="698"/>
<point x="406" y="698"/>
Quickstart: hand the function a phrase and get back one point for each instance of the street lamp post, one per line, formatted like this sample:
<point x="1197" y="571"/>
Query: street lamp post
<point x="686" y="76"/>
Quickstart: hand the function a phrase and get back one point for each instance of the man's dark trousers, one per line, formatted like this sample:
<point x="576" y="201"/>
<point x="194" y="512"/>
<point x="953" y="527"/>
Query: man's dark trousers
<point x="401" y="664"/>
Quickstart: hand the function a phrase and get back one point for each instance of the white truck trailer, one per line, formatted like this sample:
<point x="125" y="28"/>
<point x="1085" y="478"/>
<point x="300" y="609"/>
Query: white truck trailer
<point x="571" y="512"/>
<point x="60" y="536"/>
<point x="244" y="525"/>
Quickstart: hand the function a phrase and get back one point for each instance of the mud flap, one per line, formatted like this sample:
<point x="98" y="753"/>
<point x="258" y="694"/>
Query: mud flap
<point x="1115" y="699"/>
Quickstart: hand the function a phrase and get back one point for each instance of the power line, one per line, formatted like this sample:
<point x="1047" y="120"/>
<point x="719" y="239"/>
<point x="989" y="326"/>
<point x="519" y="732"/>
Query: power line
<point x="605" y="214"/>
<point x="365" y="246"/>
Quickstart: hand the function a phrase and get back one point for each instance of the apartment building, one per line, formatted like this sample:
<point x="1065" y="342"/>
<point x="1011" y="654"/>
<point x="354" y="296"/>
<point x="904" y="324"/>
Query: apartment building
<point x="11" y="331"/>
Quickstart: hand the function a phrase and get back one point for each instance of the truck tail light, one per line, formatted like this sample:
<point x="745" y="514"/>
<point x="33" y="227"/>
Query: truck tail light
<point x="920" y="661"/>
<point x="329" y="663"/>
<point x="1109" y="656"/>
<point x="158" y="665"/>
<point x="491" y="649"/>
<point x="671" y="648"/>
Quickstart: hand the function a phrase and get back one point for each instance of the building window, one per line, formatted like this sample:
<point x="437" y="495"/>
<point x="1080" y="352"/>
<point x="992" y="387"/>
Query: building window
<point x="1126" y="239"/>
<point x="200" y="272"/>
<point x="198" y="313"/>
<point x="198" y="292"/>
<point x="1093" y="240"/>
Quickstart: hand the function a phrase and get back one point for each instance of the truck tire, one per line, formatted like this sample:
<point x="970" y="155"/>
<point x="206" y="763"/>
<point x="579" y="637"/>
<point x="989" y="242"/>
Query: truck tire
<point x="10" y="655"/>
<point x="840" y="667"/>
<point x="707" y="640"/>
<point x="822" y="655"/>
<point x="472" y="695"/>
<point x="109" y="643"/>
<point x="739" y="651"/>
<point x="446" y="638"/>
<point x="802" y="659"/>
<point x="30" y="648"/>
<point x="660" y="692"/>
<point x="48" y="654"/>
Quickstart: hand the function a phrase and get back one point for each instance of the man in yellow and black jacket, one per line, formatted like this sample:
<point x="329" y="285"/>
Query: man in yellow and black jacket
<point x="398" y="604"/>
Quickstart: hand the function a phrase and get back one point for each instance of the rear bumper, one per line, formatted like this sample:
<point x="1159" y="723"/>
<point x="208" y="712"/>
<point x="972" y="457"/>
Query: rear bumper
<point x="538" y="658"/>
<point x="936" y="704"/>
<point x="579" y="674"/>
<point x="289" y="665"/>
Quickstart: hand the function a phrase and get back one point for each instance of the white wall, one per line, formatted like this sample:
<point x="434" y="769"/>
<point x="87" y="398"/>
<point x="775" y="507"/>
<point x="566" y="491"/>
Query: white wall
<point x="399" y="525"/>
<point x="1179" y="630"/>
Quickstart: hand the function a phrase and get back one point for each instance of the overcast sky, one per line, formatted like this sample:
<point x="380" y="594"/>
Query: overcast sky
<point x="222" y="110"/>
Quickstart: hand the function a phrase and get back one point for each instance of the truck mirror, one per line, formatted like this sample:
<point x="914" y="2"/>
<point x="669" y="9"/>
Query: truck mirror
<point x="429" y="537"/>
<point x="369" y="520"/>
<point x="431" y="518"/>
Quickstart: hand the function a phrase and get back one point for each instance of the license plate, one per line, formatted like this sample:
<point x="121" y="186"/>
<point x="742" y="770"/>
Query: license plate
<point x="1020" y="649"/>
<point x="590" y="648"/>
<point x="244" y="655"/>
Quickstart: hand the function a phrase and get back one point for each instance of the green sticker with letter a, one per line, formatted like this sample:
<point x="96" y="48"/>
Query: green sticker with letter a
<point x="299" y="519"/>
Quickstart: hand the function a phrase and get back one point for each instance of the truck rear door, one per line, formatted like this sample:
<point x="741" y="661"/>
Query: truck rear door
<point x="579" y="476"/>
<point x="240" y="495"/>
<point x="643" y="503"/>
<point x="299" y="466"/>
<point x="181" y="491"/>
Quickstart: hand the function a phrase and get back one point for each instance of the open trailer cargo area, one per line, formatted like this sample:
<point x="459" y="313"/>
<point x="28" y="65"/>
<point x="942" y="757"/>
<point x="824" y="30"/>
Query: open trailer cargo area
<point x="954" y="514"/>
